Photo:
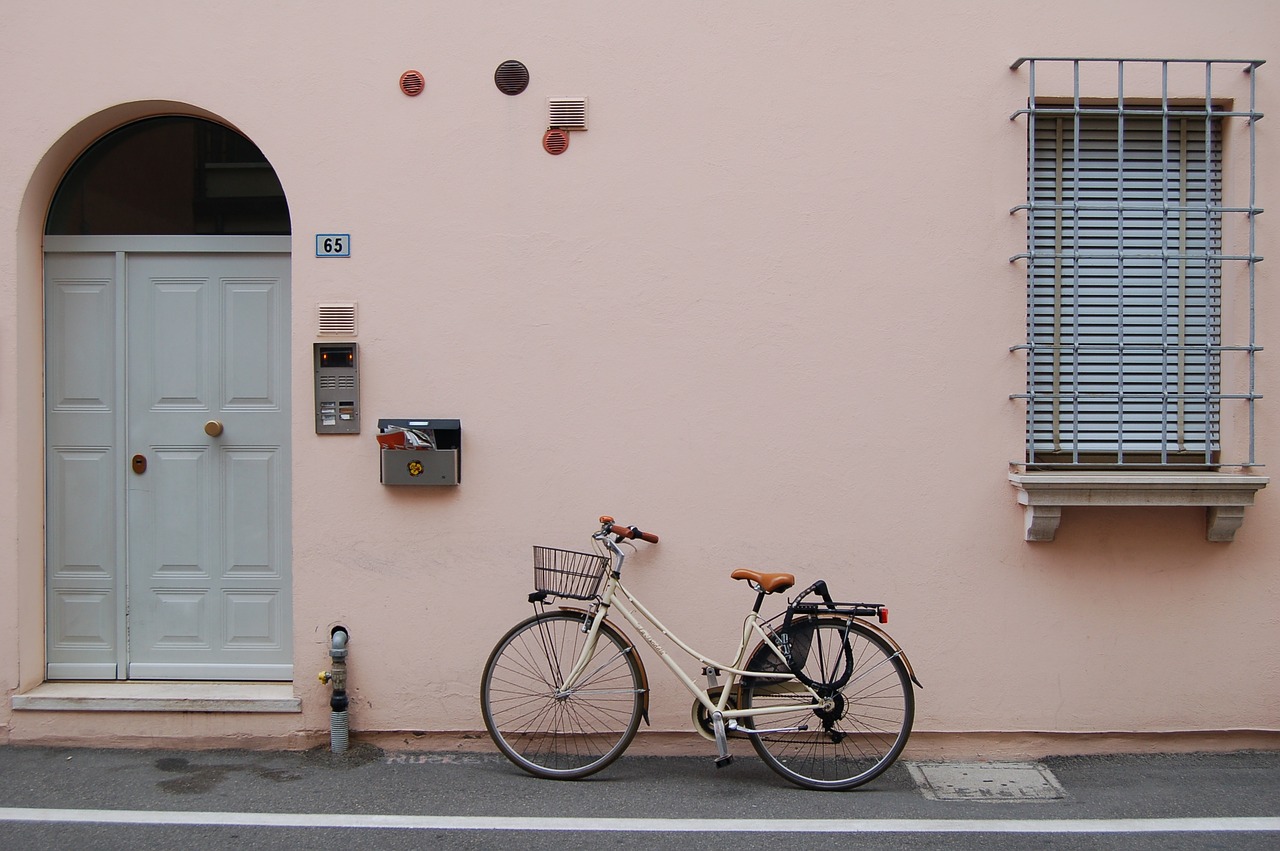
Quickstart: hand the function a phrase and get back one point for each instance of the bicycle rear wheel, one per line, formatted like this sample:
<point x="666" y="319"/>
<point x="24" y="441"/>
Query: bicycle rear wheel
<point x="561" y="736"/>
<point x="868" y="718"/>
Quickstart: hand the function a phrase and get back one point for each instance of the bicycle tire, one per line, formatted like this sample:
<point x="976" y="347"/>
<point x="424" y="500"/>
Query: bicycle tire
<point x="864" y="730"/>
<point x="567" y="737"/>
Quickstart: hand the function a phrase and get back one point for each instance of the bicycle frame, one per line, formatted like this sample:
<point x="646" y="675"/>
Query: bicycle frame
<point x="613" y="595"/>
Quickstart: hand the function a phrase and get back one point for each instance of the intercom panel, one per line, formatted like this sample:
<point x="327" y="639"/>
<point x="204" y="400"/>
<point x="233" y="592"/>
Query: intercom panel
<point x="337" y="388"/>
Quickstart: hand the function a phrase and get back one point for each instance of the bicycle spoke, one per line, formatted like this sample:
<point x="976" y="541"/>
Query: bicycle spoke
<point x="860" y="729"/>
<point x="543" y="728"/>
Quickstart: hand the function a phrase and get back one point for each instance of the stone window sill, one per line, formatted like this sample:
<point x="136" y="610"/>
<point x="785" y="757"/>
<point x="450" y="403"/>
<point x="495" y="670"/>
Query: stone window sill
<point x="1223" y="495"/>
<point x="159" y="697"/>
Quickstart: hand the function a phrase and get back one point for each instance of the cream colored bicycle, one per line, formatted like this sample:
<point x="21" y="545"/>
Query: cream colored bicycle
<point x="824" y="695"/>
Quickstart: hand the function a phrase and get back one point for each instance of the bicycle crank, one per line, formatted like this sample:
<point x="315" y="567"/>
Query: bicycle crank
<point x="722" y="741"/>
<point x="702" y="717"/>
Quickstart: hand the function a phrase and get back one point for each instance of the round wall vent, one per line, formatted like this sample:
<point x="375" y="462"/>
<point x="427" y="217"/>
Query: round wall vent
<point x="512" y="77"/>
<point x="412" y="83"/>
<point x="555" y="141"/>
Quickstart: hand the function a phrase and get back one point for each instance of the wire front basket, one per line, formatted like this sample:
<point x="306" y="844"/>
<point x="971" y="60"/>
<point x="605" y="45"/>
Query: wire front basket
<point x="565" y="573"/>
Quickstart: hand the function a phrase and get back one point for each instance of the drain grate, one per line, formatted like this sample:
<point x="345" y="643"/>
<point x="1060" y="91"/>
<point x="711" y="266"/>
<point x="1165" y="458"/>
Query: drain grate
<point x="986" y="781"/>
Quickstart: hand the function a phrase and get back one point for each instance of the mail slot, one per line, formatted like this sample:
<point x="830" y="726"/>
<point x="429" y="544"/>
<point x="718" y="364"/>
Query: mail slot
<point x="420" y="452"/>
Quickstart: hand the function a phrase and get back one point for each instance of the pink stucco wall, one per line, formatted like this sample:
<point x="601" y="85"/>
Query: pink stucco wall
<point x="763" y="307"/>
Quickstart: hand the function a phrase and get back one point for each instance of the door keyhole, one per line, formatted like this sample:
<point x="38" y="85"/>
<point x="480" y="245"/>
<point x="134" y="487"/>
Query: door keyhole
<point x="139" y="464"/>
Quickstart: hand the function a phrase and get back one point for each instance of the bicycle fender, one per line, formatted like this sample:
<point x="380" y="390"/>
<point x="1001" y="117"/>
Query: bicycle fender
<point x="897" y="648"/>
<point x="631" y="648"/>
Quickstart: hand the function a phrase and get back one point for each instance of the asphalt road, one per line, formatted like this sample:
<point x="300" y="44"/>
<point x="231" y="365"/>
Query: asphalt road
<point x="55" y="798"/>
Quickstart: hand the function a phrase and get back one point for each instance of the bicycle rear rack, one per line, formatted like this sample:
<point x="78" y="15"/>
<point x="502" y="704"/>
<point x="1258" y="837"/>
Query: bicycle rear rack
<point x="855" y="610"/>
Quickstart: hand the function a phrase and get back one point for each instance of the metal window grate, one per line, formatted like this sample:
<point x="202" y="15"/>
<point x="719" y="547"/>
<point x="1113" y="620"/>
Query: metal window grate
<point x="1128" y="234"/>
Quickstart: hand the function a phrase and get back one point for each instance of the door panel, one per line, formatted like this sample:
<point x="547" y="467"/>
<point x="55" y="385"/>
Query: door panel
<point x="251" y="337"/>
<point x="168" y="322"/>
<point x="85" y="623"/>
<point x="207" y="553"/>
<point x="179" y="571"/>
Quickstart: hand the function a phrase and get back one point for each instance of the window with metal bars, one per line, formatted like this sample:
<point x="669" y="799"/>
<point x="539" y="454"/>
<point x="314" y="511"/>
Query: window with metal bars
<point x="1124" y="277"/>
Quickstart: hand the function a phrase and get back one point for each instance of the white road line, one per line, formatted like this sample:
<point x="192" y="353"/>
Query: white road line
<point x="641" y="825"/>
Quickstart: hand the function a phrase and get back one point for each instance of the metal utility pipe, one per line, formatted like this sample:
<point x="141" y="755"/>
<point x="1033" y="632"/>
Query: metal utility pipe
<point x="338" y="722"/>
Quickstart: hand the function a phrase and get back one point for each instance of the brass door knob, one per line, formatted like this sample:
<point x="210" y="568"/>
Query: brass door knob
<point x="213" y="428"/>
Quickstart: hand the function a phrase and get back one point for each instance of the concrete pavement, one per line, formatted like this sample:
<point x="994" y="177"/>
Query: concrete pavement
<point x="375" y="798"/>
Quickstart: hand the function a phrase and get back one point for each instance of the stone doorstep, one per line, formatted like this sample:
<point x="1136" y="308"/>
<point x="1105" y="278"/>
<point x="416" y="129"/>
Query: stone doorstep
<point x="159" y="697"/>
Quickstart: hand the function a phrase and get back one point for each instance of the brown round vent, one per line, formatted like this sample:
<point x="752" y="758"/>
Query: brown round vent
<point x="555" y="141"/>
<point x="412" y="83"/>
<point x="512" y="77"/>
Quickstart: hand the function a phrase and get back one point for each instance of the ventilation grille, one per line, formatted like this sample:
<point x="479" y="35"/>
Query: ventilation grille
<point x="412" y="83"/>
<point x="337" y="382"/>
<point x="567" y="113"/>
<point x="555" y="142"/>
<point x="338" y="319"/>
<point x="512" y="77"/>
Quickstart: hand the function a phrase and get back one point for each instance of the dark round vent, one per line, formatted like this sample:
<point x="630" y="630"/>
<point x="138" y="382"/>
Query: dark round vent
<point x="512" y="77"/>
<point x="555" y="141"/>
<point x="412" y="83"/>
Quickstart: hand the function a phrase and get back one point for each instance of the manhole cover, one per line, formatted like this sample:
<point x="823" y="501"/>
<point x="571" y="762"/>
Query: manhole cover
<point x="986" y="781"/>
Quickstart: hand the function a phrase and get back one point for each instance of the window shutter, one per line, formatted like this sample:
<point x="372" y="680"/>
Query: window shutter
<point x="1124" y="295"/>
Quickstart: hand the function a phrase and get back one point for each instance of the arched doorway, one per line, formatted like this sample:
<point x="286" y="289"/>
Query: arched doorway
<point x="167" y="409"/>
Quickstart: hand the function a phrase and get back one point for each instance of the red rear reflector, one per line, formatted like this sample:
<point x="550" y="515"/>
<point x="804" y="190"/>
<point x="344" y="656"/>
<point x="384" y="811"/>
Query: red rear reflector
<point x="883" y="612"/>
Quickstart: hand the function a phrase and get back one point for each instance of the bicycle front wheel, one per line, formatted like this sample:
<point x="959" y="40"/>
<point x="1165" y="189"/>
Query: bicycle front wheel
<point x="868" y="707"/>
<point x="555" y="734"/>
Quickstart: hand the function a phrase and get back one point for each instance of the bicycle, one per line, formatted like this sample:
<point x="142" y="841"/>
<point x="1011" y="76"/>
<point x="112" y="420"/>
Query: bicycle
<point x="824" y="696"/>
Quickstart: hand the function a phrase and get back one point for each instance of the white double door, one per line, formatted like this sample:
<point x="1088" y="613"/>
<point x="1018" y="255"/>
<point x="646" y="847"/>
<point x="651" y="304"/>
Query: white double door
<point x="167" y="458"/>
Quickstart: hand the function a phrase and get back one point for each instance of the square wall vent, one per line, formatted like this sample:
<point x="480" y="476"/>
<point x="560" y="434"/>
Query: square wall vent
<point x="337" y="319"/>
<point x="567" y="113"/>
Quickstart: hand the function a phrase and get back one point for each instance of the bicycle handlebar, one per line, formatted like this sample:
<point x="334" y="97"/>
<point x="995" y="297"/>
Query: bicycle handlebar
<point x="628" y="532"/>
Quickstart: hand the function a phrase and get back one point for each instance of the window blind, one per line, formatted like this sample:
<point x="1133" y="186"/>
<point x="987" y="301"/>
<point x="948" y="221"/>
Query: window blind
<point x="1124" y="295"/>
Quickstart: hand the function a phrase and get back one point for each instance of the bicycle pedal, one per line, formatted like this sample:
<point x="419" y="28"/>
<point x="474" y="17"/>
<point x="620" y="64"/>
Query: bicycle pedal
<point x="722" y="761"/>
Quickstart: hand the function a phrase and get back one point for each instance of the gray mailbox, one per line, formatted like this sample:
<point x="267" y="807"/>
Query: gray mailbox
<point x="420" y="452"/>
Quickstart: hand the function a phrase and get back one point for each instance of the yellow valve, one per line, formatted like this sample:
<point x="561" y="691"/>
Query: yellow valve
<point x="325" y="676"/>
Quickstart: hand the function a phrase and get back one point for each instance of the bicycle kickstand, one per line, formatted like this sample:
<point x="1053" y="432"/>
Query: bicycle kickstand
<point x="722" y="741"/>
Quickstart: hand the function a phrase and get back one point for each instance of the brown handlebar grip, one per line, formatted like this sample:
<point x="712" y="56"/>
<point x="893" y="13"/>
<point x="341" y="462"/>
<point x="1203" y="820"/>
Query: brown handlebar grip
<point x="632" y="532"/>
